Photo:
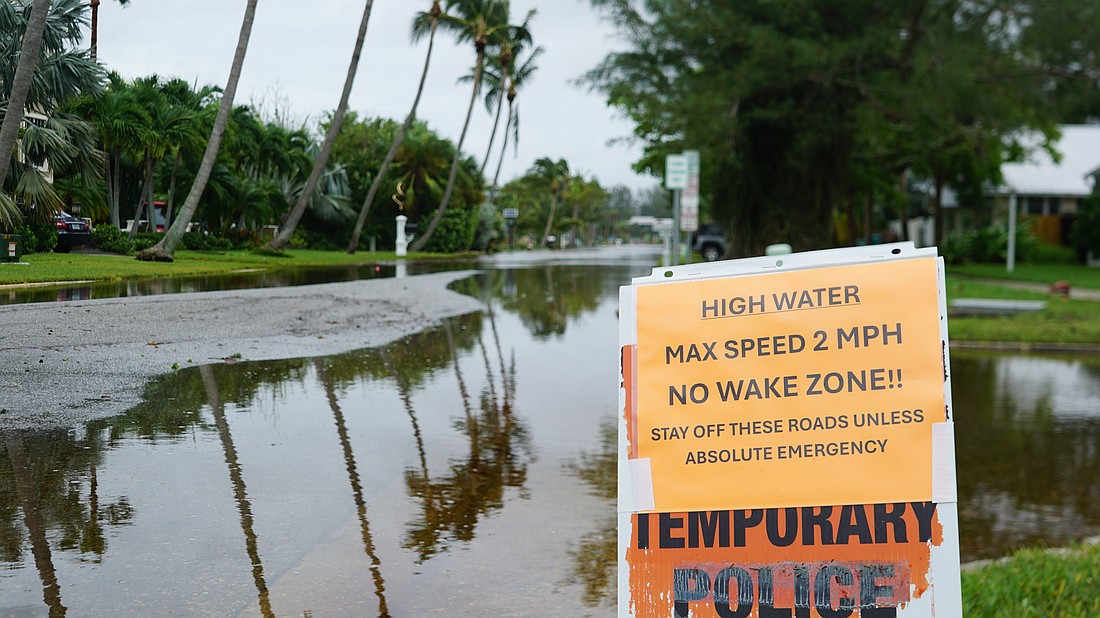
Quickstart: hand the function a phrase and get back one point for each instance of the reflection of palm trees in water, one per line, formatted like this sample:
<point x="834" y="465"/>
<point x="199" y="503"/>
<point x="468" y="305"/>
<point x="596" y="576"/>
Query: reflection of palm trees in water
<point x="36" y="526"/>
<point x="356" y="488"/>
<point x="595" y="557"/>
<point x="452" y="504"/>
<point x="240" y="492"/>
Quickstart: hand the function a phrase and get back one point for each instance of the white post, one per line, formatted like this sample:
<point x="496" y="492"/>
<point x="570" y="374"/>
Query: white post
<point x="1010" y="261"/>
<point x="402" y="240"/>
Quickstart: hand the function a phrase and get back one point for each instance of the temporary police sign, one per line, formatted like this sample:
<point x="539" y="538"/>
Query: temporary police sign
<point x="786" y="446"/>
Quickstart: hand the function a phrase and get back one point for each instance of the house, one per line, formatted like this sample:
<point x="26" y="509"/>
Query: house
<point x="1049" y="193"/>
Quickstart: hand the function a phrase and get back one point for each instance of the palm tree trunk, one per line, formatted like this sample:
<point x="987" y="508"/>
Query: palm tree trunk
<point x="287" y="230"/>
<point x="356" y="489"/>
<point x="426" y="236"/>
<point x="95" y="28"/>
<point x="164" y="249"/>
<point x="240" y="491"/>
<point x="503" y="149"/>
<point x="21" y="83"/>
<point x="37" y="529"/>
<point x="172" y="191"/>
<point x="146" y="189"/>
<point x="496" y="123"/>
<point x="549" y="221"/>
<point x="354" y="244"/>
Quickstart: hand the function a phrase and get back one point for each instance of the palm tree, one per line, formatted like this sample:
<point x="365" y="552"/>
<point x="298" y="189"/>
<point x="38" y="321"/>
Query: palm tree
<point x="287" y="229"/>
<point x="168" y="126"/>
<point x="424" y="22"/>
<point x="517" y="77"/>
<point x="482" y="22"/>
<point x="555" y="176"/>
<point x="512" y="43"/>
<point x="163" y="250"/>
<point x="20" y="88"/>
<point x="117" y="116"/>
<point x="57" y="75"/>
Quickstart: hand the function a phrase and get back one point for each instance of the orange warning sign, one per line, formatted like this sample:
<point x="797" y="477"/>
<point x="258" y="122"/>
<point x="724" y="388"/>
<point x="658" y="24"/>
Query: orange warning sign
<point x="790" y="389"/>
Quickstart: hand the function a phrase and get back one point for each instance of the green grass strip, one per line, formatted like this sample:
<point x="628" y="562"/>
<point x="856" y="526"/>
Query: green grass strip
<point x="1035" y="582"/>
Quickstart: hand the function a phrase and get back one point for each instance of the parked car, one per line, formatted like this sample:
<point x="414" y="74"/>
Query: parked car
<point x="71" y="232"/>
<point x="709" y="241"/>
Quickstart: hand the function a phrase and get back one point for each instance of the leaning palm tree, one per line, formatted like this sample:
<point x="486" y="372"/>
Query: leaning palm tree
<point x="518" y="76"/>
<point x="286" y="230"/>
<point x="163" y="250"/>
<point x="24" y="74"/>
<point x="511" y="44"/>
<point x="482" y="22"/>
<point x="425" y="22"/>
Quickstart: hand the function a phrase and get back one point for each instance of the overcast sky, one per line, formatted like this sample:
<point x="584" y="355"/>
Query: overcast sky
<point x="300" y="51"/>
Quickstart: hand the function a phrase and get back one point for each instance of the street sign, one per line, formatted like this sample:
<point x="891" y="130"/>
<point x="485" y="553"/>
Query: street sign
<point x="676" y="172"/>
<point x="786" y="438"/>
<point x="511" y="213"/>
<point x="689" y="199"/>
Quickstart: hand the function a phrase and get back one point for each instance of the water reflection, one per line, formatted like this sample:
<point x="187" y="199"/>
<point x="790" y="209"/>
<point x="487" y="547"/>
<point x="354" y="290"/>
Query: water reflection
<point x="1028" y="448"/>
<point x="466" y="470"/>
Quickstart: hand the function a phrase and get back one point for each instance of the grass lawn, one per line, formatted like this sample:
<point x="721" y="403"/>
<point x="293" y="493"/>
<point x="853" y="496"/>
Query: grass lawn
<point x="1063" y="321"/>
<point x="1036" y="583"/>
<point x="60" y="267"/>
<point x="1078" y="275"/>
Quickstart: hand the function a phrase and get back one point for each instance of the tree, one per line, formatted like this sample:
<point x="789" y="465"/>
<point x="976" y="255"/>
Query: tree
<point x="517" y="78"/>
<point x="554" y="176"/>
<point x="164" y="250"/>
<point x="512" y="42"/>
<point x="424" y="22"/>
<point x="798" y="107"/>
<point x="286" y="230"/>
<point x="480" y="22"/>
<point x="40" y="73"/>
<point x="18" y="90"/>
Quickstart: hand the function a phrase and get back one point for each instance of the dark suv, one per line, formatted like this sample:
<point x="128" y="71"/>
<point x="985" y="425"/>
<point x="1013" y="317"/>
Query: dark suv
<point x="71" y="232"/>
<point x="709" y="241"/>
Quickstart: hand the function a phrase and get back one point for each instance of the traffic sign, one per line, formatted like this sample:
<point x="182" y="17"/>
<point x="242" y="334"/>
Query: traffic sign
<point x="676" y="172"/>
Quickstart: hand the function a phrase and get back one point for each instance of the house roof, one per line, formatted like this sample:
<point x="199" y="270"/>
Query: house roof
<point x="1039" y="175"/>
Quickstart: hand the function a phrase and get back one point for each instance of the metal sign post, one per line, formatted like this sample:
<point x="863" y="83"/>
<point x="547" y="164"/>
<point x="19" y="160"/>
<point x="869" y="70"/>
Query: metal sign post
<point x="676" y="180"/>
<point x="510" y="216"/>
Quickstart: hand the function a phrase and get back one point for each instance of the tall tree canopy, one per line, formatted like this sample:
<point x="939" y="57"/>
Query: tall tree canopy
<point x="801" y="107"/>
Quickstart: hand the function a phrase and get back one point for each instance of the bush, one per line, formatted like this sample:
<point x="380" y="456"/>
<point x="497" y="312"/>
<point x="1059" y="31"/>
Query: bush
<point x="200" y="241"/>
<point x="144" y="240"/>
<point x="990" y="246"/>
<point x="490" y="228"/>
<point x="30" y="241"/>
<point x="1086" y="230"/>
<point x="111" y="239"/>
<point x="455" y="232"/>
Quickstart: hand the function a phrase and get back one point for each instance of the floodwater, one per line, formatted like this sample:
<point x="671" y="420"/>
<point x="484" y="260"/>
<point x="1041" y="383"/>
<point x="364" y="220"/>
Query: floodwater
<point x="237" y="280"/>
<point x="465" y="471"/>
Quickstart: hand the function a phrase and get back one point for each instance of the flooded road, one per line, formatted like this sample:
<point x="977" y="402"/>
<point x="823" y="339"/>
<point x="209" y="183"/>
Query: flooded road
<point x="465" y="471"/>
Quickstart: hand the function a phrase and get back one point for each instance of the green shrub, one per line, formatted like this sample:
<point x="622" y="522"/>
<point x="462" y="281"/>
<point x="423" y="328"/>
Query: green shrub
<point x="455" y="232"/>
<point x="144" y="240"/>
<point x="989" y="245"/>
<point x="200" y="241"/>
<point x="30" y="241"/>
<point x="244" y="238"/>
<point x="1086" y="229"/>
<point x="45" y="237"/>
<point x="111" y="239"/>
<point x="490" y="228"/>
